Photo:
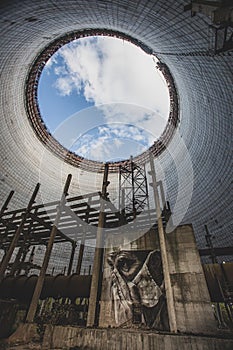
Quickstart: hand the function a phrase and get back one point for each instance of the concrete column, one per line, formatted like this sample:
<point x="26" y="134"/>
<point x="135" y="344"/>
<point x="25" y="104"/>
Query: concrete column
<point x="98" y="258"/>
<point x="82" y="244"/>
<point x="167" y="279"/>
<point x="15" y="239"/>
<point x="40" y="281"/>
<point x="16" y="264"/>
<point x="71" y="259"/>
<point x="160" y="184"/>
<point x="194" y="312"/>
<point x="80" y="256"/>
<point x="3" y="209"/>
<point x="5" y="205"/>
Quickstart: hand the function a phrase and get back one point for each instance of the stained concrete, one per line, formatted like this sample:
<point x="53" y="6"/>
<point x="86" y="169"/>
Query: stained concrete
<point x="194" y="313"/>
<point x="193" y="308"/>
<point x="74" y="338"/>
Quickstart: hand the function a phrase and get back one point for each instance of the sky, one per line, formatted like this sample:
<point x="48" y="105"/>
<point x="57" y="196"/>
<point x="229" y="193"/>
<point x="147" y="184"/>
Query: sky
<point x="103" y="98"/>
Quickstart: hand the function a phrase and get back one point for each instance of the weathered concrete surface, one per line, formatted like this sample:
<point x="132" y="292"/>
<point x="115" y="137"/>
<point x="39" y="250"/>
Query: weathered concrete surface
<point x="194" y="313"/>
<point x="74" y="338"/>
<point x="193" y="308"/>
<point x="119" y="339"/>
<point x="26" y="337"/>
<point x="148" y="241"/>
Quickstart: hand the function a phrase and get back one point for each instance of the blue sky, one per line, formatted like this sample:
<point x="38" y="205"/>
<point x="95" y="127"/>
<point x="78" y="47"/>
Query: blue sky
<point x="103" y="98"/>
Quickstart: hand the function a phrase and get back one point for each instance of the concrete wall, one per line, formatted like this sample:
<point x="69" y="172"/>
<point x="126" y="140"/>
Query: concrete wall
<point x="29" y="337"/>
<point x="59" y="337"/>
<point x="193" y="308"/>
<point x="148" y="241"/>
<point x="192" y="301"/>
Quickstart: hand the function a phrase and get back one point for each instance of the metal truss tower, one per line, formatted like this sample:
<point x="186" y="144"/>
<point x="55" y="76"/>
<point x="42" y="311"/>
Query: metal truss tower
<point x="133" y="189"/>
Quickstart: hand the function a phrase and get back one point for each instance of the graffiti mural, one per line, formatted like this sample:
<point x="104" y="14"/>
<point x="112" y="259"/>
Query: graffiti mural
<point x="137" y="289"/>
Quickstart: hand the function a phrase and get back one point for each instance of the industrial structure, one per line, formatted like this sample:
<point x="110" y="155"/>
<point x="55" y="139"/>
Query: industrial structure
<point x="128" y="254"/>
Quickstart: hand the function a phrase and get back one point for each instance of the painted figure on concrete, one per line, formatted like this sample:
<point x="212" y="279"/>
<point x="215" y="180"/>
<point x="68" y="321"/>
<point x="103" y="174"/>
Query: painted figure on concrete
<point x="137" y="289"/>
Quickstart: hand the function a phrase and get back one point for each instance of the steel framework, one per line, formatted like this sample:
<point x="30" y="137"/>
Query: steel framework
<point x="133" y="189"/>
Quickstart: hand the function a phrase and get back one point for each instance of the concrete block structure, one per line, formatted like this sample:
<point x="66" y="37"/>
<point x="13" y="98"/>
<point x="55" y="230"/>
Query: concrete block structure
<point x="193" y="310"/>
<point x="194" y="313"/>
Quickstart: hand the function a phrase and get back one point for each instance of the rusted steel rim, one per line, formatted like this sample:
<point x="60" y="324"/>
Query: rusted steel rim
<point x="53" y="145"/>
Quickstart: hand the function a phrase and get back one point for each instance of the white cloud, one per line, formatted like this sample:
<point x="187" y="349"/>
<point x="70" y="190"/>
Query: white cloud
<point x="110" y="142"/>
<point x="52" y="60"/>
<point x="121" y="80"/>
<point x="64" y="85"/>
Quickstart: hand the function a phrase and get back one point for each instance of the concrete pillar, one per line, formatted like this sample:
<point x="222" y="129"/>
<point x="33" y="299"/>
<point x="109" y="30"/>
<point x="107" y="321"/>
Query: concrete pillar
<point x="163" y="249"/>
<point x="40" y="281"/>
<point x="15" y="239"/>
<point x="3" y="209"/>
<point x="80" y="256"/>
<point x="82" y="244"/>
<point x="98" y="258"/>
<point x="194" y="313"/>
<point x="71" y="259"/>
<point x="5" y="205"/>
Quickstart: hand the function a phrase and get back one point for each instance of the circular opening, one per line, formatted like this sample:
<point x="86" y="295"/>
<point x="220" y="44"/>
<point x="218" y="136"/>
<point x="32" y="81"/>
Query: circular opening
<point x="126" y="96"/>
<point x="101" y="96"/>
